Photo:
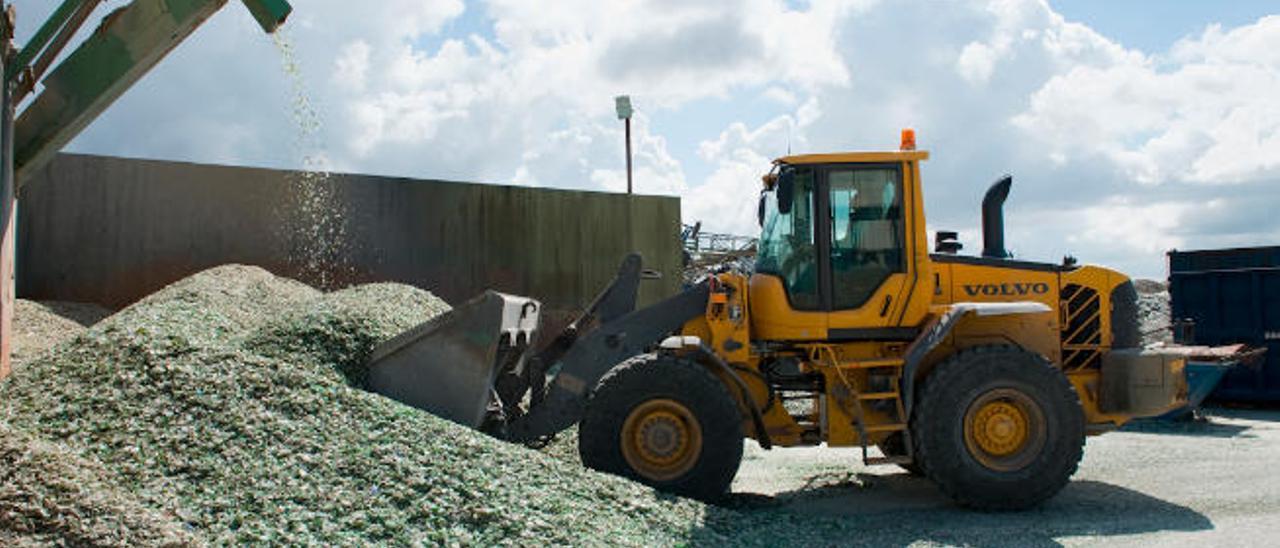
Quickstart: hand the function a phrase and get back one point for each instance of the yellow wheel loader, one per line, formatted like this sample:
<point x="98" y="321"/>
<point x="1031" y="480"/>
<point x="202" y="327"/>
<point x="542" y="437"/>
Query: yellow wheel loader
<point x="983" y="373"/>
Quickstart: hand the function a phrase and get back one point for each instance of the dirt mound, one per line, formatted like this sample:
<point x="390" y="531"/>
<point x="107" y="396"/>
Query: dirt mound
<point x="38" y="326"/>
<point x="215" y="304"/>
<point x="225" y="399"/>
<point x="50" y="496"/>
<point x="341" y="328"/>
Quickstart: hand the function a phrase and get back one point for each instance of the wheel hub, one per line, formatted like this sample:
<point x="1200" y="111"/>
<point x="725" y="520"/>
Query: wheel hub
<point x="661" y="436"/>
<point x="1001" y="428"/>
<point x="1004" y="429"/>
<point x="661" y="440"/>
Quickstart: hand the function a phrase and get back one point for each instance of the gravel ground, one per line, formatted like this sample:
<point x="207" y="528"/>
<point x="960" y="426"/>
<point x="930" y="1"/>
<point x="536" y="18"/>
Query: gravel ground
<point x="50" y="496"/>
<point x="1210" y="483"/>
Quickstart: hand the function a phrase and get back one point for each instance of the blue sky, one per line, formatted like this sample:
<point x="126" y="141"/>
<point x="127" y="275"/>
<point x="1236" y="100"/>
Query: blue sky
<point x="1130" y="127"/>
<point x="1154" y="25"/>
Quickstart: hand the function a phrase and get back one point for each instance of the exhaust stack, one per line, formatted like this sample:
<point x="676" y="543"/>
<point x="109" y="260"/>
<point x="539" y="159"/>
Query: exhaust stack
<point x="993" y="219"/>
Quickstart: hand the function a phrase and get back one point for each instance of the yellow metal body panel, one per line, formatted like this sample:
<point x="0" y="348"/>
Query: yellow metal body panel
<point x="981" y="283"/>
<point x="726" y="329"/>
<point x="1034" y="332"/>
<point x="1103" y="280"/>
<point x="1087" y="384"/>
<point x="772" y="317"/>
<point x="886" y="157"/>
<point x="992" y="284"/>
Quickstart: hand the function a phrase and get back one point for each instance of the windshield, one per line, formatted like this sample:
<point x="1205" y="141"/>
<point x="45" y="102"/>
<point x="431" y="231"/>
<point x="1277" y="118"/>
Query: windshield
<point x="787" y="243"/>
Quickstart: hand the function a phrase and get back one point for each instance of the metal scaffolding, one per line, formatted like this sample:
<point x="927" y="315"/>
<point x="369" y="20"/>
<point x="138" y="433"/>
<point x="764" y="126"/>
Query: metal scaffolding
<point x="708" y="251"/>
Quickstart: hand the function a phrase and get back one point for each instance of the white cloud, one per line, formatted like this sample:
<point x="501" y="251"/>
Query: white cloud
<point x="1032" y="27"/>
<point x="412" y="102"/>
<point x="384" y="21"/>
<point x="726" y="201"/>
<point x="351" y="69"/>
<point x="573" y="158"/>
<point x="781" y="95"/>
<point x="1126" y="226"/>
<point x="977" y="61"/>
<point x="1204" y="114"/>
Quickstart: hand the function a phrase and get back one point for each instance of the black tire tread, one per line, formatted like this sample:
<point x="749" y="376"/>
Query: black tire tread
<point x="647" y="376"/>
<point x="959" y="478"/>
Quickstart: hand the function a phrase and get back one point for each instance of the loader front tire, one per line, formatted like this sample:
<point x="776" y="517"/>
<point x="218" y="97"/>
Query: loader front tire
<point x="666" y="422"/>
<point x="999" y="428"/>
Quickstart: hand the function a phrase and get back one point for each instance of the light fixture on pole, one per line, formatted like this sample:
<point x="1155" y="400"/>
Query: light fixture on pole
<point x="623" y="105"/>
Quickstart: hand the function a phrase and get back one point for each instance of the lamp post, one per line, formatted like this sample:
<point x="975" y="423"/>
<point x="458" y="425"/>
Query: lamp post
<point x="623" y="105"/>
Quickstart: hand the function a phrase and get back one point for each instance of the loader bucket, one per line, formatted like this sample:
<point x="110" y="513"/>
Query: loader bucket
<point x="447" y="366"/>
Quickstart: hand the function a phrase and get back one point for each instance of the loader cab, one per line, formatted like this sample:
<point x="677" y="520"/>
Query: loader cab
<point x="843" y="250"/>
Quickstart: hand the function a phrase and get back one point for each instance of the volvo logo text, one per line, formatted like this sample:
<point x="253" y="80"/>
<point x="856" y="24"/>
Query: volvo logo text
<point x="1007" y="290"/>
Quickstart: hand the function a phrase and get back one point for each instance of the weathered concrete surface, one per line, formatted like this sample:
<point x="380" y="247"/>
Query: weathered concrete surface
<point x="111" y="230"/>
<point x="1209" y="483"/>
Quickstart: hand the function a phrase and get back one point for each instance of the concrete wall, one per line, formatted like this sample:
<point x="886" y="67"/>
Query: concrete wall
<point x="111" y="230"/>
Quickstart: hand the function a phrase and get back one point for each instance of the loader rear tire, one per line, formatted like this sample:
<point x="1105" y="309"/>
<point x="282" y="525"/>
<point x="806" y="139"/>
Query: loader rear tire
<point x="666" y="422"/>
<point x="999" y="428"/>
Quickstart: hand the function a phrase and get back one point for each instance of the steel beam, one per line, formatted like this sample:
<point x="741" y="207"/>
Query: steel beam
<point x="41" y="38"/>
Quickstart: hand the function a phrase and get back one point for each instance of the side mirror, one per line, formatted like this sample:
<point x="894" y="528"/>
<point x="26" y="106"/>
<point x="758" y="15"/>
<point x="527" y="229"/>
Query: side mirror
<point x="786" y="189"/>
<point x="947" y="241"/>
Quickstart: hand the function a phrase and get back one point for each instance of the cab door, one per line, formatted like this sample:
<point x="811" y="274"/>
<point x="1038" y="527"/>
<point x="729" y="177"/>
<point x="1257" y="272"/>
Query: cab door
<point x="787" y="297"/>
<point x="865" y="266"/>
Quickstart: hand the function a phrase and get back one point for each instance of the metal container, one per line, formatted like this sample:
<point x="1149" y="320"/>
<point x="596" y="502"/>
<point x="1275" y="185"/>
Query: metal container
<point x="1232" y="296"/>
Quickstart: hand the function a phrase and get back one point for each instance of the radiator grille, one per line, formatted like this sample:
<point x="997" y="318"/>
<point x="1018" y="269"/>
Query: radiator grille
<point x="1082" y="331"/>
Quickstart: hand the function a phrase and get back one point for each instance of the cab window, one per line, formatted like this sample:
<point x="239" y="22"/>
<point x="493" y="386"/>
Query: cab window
<point x="866" y="232"/>
<point x="787" y="245"/>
